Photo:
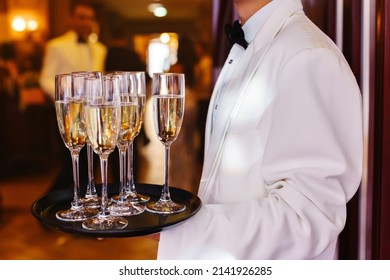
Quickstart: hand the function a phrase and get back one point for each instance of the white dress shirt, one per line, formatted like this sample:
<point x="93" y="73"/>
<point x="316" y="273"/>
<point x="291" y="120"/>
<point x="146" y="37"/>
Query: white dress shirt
<point x="250" y="29"/>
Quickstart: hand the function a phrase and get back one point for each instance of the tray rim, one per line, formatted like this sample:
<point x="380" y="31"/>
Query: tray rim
<point x="68" y="227"/>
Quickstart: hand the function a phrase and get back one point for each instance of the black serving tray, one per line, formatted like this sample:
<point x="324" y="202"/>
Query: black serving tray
<point x="45" y="208"/>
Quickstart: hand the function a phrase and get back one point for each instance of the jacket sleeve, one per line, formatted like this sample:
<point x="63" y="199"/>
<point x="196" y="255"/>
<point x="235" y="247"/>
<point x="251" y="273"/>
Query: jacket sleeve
<point x="49" y="69"/>
<point x="312" y="166"/>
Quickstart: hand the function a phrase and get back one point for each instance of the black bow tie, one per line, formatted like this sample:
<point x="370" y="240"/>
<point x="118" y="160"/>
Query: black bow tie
<point x="81" y="40"/>
<point x="236" y="34"/>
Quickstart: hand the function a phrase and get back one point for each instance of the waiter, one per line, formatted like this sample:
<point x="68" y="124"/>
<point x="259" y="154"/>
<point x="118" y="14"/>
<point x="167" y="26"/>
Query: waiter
<point x="73" y="51"/>
<point x="284" y="144"/>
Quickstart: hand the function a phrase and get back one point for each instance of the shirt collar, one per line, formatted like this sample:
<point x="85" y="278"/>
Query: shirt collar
<point x="75" y="37"/>
<point x="254" y="22"/>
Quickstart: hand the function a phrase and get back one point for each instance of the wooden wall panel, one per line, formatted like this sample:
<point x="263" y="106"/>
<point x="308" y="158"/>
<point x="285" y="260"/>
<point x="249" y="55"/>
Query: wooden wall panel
<point x="323" y="14"/>
<point x="377" y="230"/>
<point x="382" y="189"/>
<point x="349" y="238"/>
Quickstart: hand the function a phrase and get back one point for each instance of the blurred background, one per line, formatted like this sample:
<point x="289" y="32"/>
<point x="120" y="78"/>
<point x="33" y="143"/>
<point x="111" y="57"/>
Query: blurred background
<point x="32" y="162"/>
<point x="168" y="35"/>
<point x="27" y="25"/>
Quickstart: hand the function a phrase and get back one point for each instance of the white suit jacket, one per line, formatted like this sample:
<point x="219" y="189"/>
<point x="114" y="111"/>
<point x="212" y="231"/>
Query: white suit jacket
<point x="285" y="154"/>
<point x="63" y="55"/>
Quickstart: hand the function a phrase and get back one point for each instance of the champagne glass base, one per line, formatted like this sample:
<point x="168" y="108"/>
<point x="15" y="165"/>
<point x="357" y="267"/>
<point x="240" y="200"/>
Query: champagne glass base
<point x="105" y="222"/>
<point x="132" y="197"/>
<point x="125" y="209"/>
<point x="165" y="207"/>
<point x="91" y="202"/>
<point x="137" y="197"/>
<point x="76" y="214"/>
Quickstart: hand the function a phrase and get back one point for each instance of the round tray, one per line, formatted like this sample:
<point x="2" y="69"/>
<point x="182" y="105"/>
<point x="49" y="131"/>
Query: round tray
<point x="45" y="208"/>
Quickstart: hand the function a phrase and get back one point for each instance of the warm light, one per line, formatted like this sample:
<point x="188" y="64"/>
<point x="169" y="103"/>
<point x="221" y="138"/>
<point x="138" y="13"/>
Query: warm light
<point x="157" y="9"/>
<point x="160" y="12"/>
<point x="165" y="38"/>
<point x="153" y="6"/>
<point x="32" y="25"/>
<point x="158" y="57"/>
<point x="18" y="24"/>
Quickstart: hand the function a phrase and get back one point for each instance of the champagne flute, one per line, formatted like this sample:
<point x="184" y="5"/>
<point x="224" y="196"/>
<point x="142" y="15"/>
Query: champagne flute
<point x="91" y="198"/>
<point x="137" y="79"/>
<point x="168" y="90"/>
<point x="134" y="84"/>
<point x="69" y="111"/>
<point x="121" y="206"/>
<point x="103" y="117"/>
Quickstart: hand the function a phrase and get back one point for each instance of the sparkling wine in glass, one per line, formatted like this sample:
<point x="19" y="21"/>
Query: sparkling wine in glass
<point x="121" y="206"/>
<point x="168" y="91"/>
<point x="103" y="119"/>
<point x="91" y="198"/>
<point x="69" y="111"/>
<point x="133" y="83"/>
<point x="138" y="87"/>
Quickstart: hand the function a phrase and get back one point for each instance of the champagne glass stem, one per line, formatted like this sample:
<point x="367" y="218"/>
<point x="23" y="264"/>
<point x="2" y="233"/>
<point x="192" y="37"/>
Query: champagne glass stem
<point x="91" y="190"/>
<point x="103" y="167"/>
<point x="130" y="190"/>
<point x="76" y="181"/>
<point x="165" y="191"/>
<point x="122" y="174"/>
<point x="77" y="212"/>
<point x="130" y="174"/>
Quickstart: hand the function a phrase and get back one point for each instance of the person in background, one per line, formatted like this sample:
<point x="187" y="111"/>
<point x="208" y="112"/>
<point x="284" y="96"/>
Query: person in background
<point x="203" y="70"/>
<point x="284" y="144"/>
<point x="9" y="99"/>
<point x="120" y="55"/>
<point x="9" y="71"/>
<point x="186" y="147"/>
<point x="73" y="51"/>
<point x="204" y="81"/>
<point x="183" y="171"/>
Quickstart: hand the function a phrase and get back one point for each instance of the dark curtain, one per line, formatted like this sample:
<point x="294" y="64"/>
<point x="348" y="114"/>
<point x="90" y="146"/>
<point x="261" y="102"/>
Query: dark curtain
<point x="323" y="14"/>
<point x="222" y="14"/>
<point x="352" y="16"/>
<point x="380" y="113"/>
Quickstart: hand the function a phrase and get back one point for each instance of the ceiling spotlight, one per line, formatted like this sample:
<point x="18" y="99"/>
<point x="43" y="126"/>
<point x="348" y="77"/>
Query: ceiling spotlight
<point x="157" y="9"/>
<point x="165" y="38"/>
<point x="153" y="6"/>
<point x="18" y="24"/>
<point x="32" y="25"/>
<point x="160" y="12"/>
